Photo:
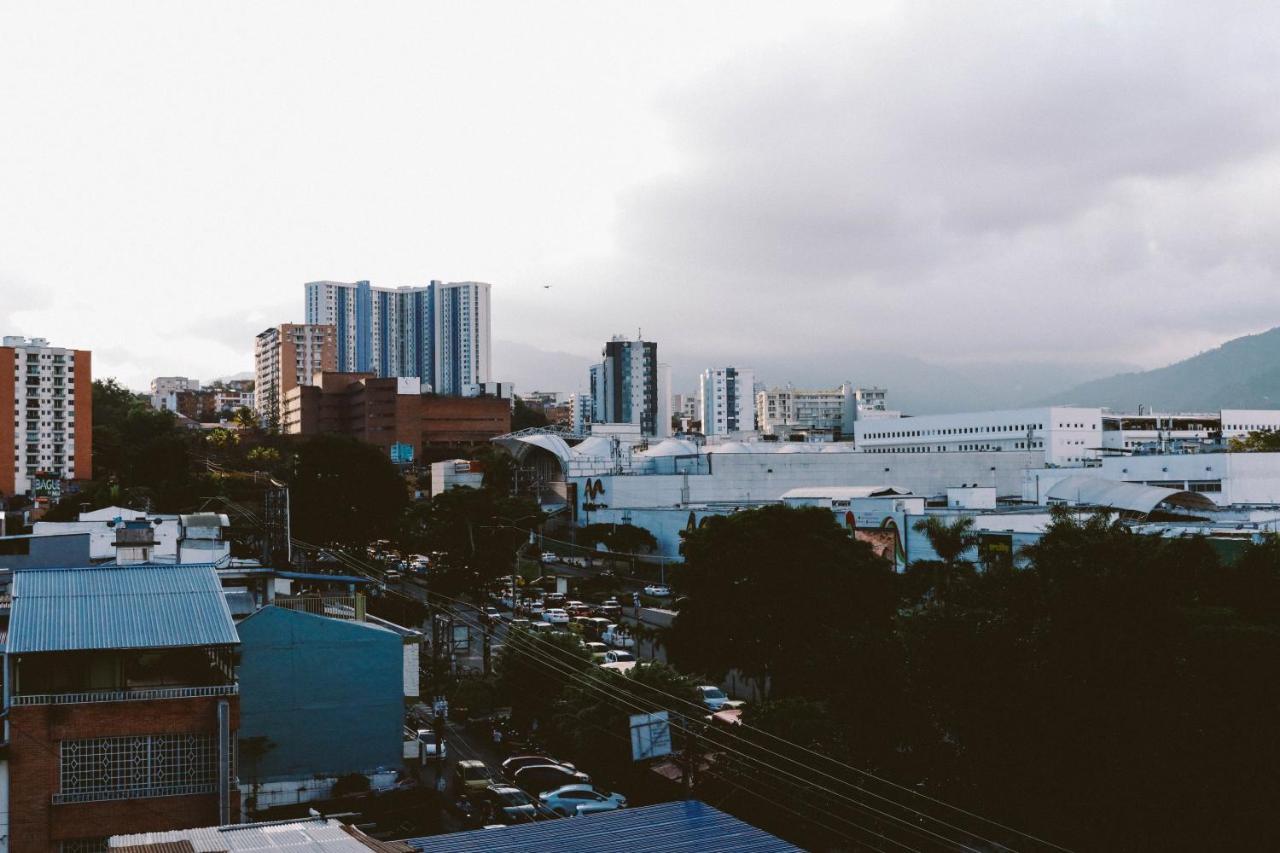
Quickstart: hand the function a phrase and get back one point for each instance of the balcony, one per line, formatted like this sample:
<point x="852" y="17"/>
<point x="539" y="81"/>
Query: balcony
<point x="141" y="695"/>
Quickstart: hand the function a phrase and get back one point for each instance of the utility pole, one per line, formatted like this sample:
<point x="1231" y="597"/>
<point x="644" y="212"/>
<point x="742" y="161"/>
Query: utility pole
<point x="690" y="760"/>
<point x="487" y="624"/>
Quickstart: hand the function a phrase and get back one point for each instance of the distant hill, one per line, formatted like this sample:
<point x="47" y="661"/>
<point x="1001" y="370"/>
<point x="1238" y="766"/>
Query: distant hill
<point x="1243" y="373"/>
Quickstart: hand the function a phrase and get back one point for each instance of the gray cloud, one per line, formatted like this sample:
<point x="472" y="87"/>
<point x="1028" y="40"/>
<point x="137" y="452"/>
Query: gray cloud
<point x="980" y="180"/>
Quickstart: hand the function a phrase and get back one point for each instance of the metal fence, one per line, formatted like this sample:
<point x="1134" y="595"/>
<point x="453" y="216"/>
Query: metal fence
<point x="150" y="693"/>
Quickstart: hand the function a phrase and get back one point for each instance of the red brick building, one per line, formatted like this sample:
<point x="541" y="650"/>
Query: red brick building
<point x="388" y="411"/>
<point x="122" y="704"/>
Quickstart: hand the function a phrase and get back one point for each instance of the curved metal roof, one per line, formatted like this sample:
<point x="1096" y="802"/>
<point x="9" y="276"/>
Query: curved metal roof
<point x="1133" y="497"/>
<point x="844" y="492"/>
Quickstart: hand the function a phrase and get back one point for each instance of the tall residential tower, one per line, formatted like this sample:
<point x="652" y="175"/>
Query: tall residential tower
<point x="438" y="333"/>
<point x="46" y="417"/>
<point x="726" y="400"/>
<point x="630" y="386"/>
<point x="285" y="357"/>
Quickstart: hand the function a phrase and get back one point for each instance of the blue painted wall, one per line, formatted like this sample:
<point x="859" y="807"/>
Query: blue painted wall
<point x="329" y="694"/>
<point x="44" y="552"/>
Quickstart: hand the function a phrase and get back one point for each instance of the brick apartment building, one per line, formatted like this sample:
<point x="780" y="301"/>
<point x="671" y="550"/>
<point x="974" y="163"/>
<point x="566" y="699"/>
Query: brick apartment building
<point x="285" y="357"/>
<point x="46" y="417"/>
<point x="389" y="411"/>
<point x="121" y="702"/>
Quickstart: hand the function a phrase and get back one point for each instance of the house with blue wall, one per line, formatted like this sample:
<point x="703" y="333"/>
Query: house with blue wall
<point x="320" y="698"/>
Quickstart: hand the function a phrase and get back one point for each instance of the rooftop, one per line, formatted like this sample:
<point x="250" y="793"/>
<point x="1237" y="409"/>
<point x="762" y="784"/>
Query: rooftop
<point x="665" y="828"/>
<point x="308" y="835"/>
<point x="118" y="607"/>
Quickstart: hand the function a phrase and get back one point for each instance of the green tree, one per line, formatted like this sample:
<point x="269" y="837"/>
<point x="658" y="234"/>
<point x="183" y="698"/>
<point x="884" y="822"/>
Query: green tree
<point x="592" y="714"/>
<point x="524" y="416"/>
<point x="344" y="492"/>
<point x="531" y="670"/>
<point x="950" y="541"/>
<point x="480" y="532"/>
<point x="766" y="588"/>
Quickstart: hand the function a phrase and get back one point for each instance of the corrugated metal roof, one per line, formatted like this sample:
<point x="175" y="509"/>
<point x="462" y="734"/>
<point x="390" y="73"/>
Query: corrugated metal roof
<point x="666" y="828"/>
<point x="314" y="835"/>
<point x="118" y="607"/>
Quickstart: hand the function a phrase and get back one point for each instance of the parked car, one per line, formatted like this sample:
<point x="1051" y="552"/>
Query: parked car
<point x="534" y="608"/>
<point x="713" y="697"/>
<point x="391" y="575"/>
<point x="555" y="616"/>
<point x="522" y="624"/>
<point x="427" y="737"/>
<point x="595" y="626"/>
<point x="470" y="775"/>
<point x="618" y="637"/>
<point x="657" y="591"/>
<point x="577" y="608"/>
<point x="519" y="762"/>
<point x="507" y="804"/>
<point x="598" y="651"/>
<point x="619" y="656"/>
<point x="573" y="800"/>
<point x="548" y="777"/>
<point x="541" y="627"/>
<point x="610" y="609"/>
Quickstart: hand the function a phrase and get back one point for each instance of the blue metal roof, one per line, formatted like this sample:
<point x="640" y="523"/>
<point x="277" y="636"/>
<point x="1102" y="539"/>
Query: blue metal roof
<point x="118" y="607"/>
<point x="666" y="828"/>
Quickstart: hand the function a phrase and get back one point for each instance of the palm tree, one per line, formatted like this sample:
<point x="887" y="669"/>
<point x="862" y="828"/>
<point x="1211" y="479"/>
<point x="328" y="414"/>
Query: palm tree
<point x="949" y="541"/>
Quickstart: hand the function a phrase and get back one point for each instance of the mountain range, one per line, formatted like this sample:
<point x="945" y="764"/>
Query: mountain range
<point x="1242" y="373"/>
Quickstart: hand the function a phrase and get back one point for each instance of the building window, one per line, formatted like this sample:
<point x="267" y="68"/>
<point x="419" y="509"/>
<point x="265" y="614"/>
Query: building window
<point x="122" y="768"/>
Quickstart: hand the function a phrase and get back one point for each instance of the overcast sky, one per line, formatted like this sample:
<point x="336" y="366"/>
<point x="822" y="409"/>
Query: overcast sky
<point x="962" y="181"/>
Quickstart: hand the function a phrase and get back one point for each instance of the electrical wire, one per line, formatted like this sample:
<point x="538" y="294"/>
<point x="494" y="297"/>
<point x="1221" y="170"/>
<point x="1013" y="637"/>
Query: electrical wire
<point x="351" y="562"/>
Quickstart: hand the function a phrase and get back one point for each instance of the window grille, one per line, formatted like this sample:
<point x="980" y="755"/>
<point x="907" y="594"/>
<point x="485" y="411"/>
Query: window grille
<point x="118" y="768"/>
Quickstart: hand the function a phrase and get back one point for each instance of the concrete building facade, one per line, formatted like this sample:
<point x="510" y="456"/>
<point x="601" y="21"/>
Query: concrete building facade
<point x="389" y="411"/>
<point x="726" y="400"/>
<point x="438" y="333"/>
<point x="46" y="417"/>
<point x="631" y="386"/>
<point x="286" y="357"/>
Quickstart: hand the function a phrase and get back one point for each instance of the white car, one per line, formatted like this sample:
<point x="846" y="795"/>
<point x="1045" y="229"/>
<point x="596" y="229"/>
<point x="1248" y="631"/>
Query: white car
<point x="427" y="737"/>
<point x="548" y="557"/>
<point x="657" y="591"/>
<point x="713" y="697"/>
<point x="556" y="616"/>
<point x="573" y="800"/>
<point x="619" y="656"/>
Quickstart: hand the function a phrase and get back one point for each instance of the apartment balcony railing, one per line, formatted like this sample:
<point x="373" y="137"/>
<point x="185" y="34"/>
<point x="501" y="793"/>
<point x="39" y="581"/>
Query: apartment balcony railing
<point x="141" y="695"/>
<point x="350" y="607"/>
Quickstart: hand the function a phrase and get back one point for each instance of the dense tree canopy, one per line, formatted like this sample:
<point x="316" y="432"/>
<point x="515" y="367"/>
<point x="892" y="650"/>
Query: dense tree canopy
<point x="344" y="492"/>
<point x="781" y="595"/>
<point x="1117" y="693"/>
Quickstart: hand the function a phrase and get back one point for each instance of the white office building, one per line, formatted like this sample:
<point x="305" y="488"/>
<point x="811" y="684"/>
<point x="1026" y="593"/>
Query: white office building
<point x="581" y="410"/>
<point x="726" y="400"/>
<point x="818" y="414"/>
<point x="1066" y="435"/>
<point x="163" y="386"/>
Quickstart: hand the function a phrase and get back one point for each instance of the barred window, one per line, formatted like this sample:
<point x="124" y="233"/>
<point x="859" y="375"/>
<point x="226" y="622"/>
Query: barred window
<point x="118" y="768"/>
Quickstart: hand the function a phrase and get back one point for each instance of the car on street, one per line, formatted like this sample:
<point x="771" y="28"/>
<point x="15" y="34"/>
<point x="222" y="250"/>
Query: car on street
<point x="598" y="651"/>
<point x="712" y="697"/>
<point x="657" y="591"/>
<point x="506" y="804"/>
<point x="493" y="614"/>
<point x="555" y="616"/>
<point x="619" y="656"/>
<point x="541" y="627"/>
<point x="548" y="558"/>
<point x="574" y="800"/>
<point x="538" y="778"/>
<point x="610" y="608"/>
<point x="471" y="775"/>
<point x="522" y="624"/>
<point x="519" y="762"/>
<point x="534" y="608"/>
<point x="577" y="608"/>
<point x="427" y="737"/>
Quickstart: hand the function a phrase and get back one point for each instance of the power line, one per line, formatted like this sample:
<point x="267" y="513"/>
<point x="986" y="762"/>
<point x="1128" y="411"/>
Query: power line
<point x="353" y="562"/>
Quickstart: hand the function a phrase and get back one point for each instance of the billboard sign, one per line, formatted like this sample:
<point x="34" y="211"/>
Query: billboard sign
<point x="650" y="735"/>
